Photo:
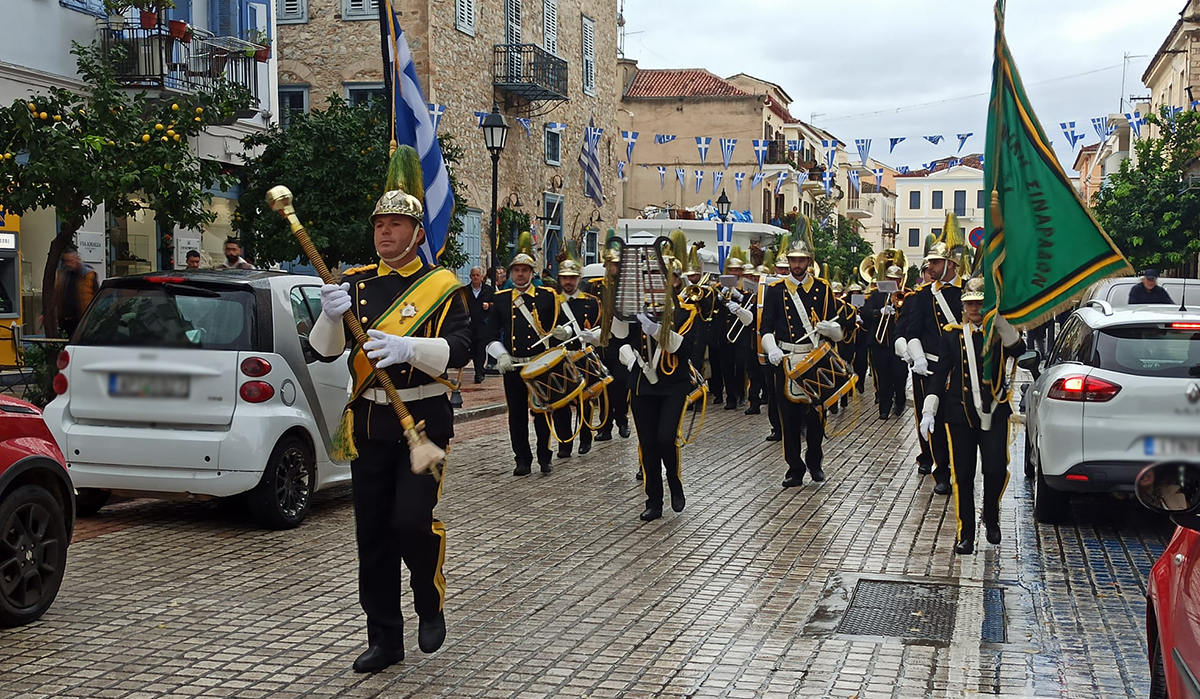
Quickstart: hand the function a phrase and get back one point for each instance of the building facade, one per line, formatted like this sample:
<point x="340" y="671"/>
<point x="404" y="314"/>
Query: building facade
<point x="925" y="197"/>
<point x="551" y="63"/>
<point x="1173" y="75"/>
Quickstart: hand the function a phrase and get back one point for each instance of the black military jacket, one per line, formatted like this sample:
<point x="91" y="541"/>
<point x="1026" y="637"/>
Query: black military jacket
<point x="950" y="381"/>
<point x="872" y="316"/>
<point x="781" y="318"/>
<point x="923" y="316"/>
<point x="585" y="307"/>
<point x="673" y="368"/>
<point x="509" y="326"/>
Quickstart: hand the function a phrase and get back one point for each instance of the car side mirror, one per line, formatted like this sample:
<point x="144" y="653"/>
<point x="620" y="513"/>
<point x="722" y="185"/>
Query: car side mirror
<point x="1030" y="361"/>
<point x="1171" y="488"/>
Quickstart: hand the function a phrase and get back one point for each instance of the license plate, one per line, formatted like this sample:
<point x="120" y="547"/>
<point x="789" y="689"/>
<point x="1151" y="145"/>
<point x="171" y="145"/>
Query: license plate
<point x="147" y="386"/>
<point x="1172" y="446"/>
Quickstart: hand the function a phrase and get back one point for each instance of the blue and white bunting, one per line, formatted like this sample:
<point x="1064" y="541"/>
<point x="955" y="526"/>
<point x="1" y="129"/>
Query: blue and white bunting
<point x="630" y="138"/>
<point x="702" y="143"/>
<point x="435" y="114"/>
<point x="717" y="177"/>
<point x="795" y="145"/>
<point x="699" y="180"/>
<point x="620" y="170"/>
<point x="878" y="172"/>
<point x="954" y="162"/>
<point x="661" y="138"/>
<point x="903" y="169"/>
<point x="830" y="152"/>
<point x="760" y="152"/>
<point x="801" y="177"/>
<point x="929" y="166"/>
<point x="1068" y="129"/>
<point x="828" y="178"/>
<point x="481" y="116"/>
<point x="855" y="184"/>
<point x="724" y="241"/>
<point x="779" y="180"/>
<point x="758" y="178"/>
<point x="893" y="142"/>
<point x="981" y="161"/>
<point x="738" y="178"/>
<point x="1136" y="121"/>
<point x="556" y="127"/>
<point x="1103" y="128"/>
<point x="526" y="123"/>
<point x="589" y="160"/>
<point x="681" y="174"/>
<point x="662" y="177"/>
<point x="727" y="147"/>
<point x="935" y="140"/>
<point x="864" y="149"/>
<point x="962" y="140"/>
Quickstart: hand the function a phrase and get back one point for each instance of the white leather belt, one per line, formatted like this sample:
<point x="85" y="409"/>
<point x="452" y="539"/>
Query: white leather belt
<point x="522" y="361"/>
<point x="379" y="396"/>
<point x="803" y="347"/>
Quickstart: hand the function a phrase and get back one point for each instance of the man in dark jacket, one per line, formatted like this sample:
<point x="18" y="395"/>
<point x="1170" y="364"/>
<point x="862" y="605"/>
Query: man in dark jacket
<point x="75" y="286"/>
<point x="1149" y="291"/>
<point x="479" y="302"/>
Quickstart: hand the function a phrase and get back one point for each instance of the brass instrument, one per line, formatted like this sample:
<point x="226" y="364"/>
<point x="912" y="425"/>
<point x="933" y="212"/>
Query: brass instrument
<point x="874" y="269"/>
<point x="735" y="328"/>
<point x="642" y="283"/>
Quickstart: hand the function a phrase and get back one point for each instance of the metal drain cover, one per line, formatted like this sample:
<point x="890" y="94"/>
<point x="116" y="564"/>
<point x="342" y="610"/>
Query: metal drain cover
<point x="917" y="611"/>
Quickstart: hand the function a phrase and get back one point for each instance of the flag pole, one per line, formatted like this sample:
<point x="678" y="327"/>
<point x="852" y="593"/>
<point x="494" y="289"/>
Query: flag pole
<point x="390" y="84"/>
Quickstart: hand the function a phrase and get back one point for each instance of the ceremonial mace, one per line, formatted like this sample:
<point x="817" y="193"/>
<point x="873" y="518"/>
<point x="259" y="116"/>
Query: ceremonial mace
<point x="426" y="457"/>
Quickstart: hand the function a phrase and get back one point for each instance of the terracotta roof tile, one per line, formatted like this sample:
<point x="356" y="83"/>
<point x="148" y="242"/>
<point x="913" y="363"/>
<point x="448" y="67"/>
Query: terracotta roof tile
<point x="684" y="82"/>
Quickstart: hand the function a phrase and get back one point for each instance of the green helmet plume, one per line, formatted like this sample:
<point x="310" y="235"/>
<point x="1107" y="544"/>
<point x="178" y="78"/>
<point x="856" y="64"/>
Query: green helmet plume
<point x="404" y="173"/>
<point x="679" y="245"/>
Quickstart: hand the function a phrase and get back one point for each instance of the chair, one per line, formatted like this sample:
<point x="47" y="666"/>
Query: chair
<point x="16" y="374"/>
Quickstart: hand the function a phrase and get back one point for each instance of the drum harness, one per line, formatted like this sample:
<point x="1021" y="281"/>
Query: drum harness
<point x="602" y="401"/>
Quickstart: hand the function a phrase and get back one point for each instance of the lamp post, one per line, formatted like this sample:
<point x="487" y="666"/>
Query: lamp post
<point x="723" y="205"/>
<point x="495" y="133"/>
<point x="723" y="212"/>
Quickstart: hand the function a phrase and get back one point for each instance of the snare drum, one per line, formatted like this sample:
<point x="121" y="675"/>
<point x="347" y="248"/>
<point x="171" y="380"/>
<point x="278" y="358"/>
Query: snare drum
<point x="595" y="374"/>
<point x="820" y="377"/>
<point x="553" y="381"/>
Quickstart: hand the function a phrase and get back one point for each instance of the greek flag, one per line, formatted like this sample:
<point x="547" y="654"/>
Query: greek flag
<point x="758" y="178"/>
<point x="760" y="152"/>
<point x="801" y="177"/>
<point x="852" y="175"/>
<point x="1103" y="130"/>
<point x="934" y="139"/>
<point x="878" y="172"/>
<point x="620" y="170"/>
<point x="435" y="114"/>
<point x="962" y="140"/>
<point x="954" y="162"/>
<point x="724" y="241"/>
<point x="556" y="127"/>
<point x="481" y="116"/>
<point x="661" y="138"/>
<point x="828" y="177"/>
<point x="783" y="177"/>
<point x="526" y="124"/>
<point x="727" y="146"/>
<point x="830" y="152"/>
<point x="894" y="142"/>
<point x="864" y="149"/>
<point x="903" y="169"/>
<point x="702" y="143"/>
<point x="1136" y="120"/>
<point x="590" y="162"/>
<point x="1068" y="129"/>
<point x="662" y="177"/>
<point x="682" y="175"/>
<point x="981" y="161"/>
<point x="412" y="126"/>
<point x="717" y="177"/>
<point x="929" y="166"/>
<point x="738" y="178"/>
<point x="699" y="179"/>
<point x="630" y="139"/>
<point x="793" y="145"/>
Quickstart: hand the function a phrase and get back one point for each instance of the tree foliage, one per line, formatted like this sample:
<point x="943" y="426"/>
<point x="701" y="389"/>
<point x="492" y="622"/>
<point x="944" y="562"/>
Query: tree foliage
<point x="838" y="246"/>
<point x="1149" y="210"/>
<point x="73" y="151"/>
<point x="335" y="162"/>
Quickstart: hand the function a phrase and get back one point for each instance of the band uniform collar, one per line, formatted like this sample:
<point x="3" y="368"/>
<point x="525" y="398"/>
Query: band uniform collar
<point x="406" y="271"/>
<point x="571" y="296"/>
<point x="955" y="282"/>
<point x="527" y="290"/>
<point x="806" y="282"/>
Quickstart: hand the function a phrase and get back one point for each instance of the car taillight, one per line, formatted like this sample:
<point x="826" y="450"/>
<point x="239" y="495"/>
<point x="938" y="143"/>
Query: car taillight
<point x="1185" y="326"/>
<point x="255" y="367"/>
<point x="166" y="280"/>
<point x="1083" y="389"/>
<point x="256" y="391"/>
<point x="59" y="384"/>
<point x="63" y="360"/>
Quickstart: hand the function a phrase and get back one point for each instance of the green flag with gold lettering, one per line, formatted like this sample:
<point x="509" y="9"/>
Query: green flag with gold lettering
<point x="1042" y="248"/>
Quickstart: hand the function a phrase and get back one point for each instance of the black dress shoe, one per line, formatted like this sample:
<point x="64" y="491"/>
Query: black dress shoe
<point x="924" y="469"/>
<point x="677" y="502"/>
<point x="639" y="474"/>
<point x="478" y="379"/>
<point x="564" y="453"/>
<point x="884" y="415"/>
<point x="378" y="658"/>
<point x="993" y="532"/>
<point x="942" y="488"/>
<point x="833" y="409"/>
<point x="651" y="514"/>
<point x="845" y="400"/>
<point x="546" y="467"/>
<point x="585" y="447"/>
<point x="432" y="633"/>
<point x="816" y="474"/>
<point x="774" y="437"/>
<point x="604" y="435"/>
<point x="718" y="399"/>
<point x="753" y="409"/>
<point x="898" y="410"/>
<point x="623" y="430"/>
<point x="731" y="406"/>
<point x="964" y="547"/>
<point x="521" y="470"/>
<point x="793" y="481"/>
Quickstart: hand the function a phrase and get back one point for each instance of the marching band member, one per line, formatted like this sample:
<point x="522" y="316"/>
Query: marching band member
<point x="733" y="368"/>
<point x="769" y="386"/>
<point x="796" y="310"/>
<point x="860" y="337"/>
<point x="419" y="327"/>
<point x="523" y="323"/>
<point x="975" y="421"/>
<point x="618" y="392"/>
<point x="891" y="372"/>
<point x="747" y="344"/>
<point x="581" y="327"/>
<point x="659" y="381"/>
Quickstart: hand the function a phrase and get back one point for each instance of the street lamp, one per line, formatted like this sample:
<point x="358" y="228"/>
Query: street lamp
<point x="495" y="133"/>
<point x="723" y="205"/>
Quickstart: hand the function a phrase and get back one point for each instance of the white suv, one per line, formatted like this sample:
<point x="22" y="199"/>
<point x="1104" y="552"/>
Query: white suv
<point x="1120" y="390"/>
<point x="201" y="384"/>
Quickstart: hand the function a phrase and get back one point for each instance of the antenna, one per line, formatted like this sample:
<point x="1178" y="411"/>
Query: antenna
<point x="1183" y="296"/>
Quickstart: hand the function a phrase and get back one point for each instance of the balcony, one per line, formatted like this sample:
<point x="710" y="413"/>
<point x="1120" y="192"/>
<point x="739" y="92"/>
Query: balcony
<point x="154" y="60"/>
<point x="529" y="72"/>
<point x="815" y="182"/>
<point x="860" y="207"/>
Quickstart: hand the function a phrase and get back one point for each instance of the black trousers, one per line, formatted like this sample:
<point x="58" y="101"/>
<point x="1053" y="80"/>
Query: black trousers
<point x="618" y="390"/>
<point x="657" y="420"/>
<point x="564" y="427"/>
<point x="925" y="456"/>
<point x="479" y="355"/>
<point x="516" y="395"/>
<point x="798" y="422"/>
<point x="937" y="449"/>
<point x="733" y="371"/>
<point x="891" y="378"/>
<point x="992" y="446"/>
<point x="771" y="395"/>
<point x="716" y="376"/>
<point x="756" y="375"/>
<point x="393" y="518"/>
<point x="861" y="356"/>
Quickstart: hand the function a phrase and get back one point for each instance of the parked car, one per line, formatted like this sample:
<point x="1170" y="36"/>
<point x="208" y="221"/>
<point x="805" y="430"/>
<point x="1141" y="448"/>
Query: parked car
<point x="1115" y="290"/>
<point x="1120" y="390"/>
<point x="201" y="384"/>
<point x="37" y="514"/>
<point x="1172" y="598"/>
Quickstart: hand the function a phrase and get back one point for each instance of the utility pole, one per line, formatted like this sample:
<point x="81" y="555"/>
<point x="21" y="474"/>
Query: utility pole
<point x="1125" y="69"/>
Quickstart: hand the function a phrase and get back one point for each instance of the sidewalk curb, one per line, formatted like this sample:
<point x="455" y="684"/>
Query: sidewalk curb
<point x="480" y="412"/>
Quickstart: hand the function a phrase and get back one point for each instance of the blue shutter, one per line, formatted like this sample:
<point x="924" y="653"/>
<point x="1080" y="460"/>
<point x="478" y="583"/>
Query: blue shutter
<point x="223" y="17"/>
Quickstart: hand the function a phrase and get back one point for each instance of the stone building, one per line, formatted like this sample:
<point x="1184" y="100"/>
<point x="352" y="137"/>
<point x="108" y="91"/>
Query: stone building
<point x="550" y="62"/>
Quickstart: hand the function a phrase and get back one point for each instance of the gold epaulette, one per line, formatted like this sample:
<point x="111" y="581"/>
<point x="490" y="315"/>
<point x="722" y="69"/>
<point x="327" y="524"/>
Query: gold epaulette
<point x="359" y="270"/>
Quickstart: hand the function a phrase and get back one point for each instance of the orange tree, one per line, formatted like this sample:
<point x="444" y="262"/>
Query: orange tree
<point x="73" y="151"/>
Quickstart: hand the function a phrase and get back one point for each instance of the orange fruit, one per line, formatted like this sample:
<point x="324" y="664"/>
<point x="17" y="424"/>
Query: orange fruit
<point x="145" y="138"/>
<point x="174" y="107"/>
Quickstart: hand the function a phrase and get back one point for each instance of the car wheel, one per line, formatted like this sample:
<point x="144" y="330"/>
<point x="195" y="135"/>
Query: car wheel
<point x="280" y="501"/>
<point x="88" y="501"/>
<point x="1158" y="674"/>
<point x="1030" y="470"/>
<point x="33" y="554"/>
<point x="1049" y="505"/>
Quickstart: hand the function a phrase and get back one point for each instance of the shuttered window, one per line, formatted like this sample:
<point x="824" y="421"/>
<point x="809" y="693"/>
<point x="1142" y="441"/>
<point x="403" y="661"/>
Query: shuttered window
<point x="464" y="16"/>
<point x="512" y="21"/>
<point x="589" y="56"/>
<point x="360" y="9"/>
<point x="550" y="19"/>
<point x="291" y="11"/>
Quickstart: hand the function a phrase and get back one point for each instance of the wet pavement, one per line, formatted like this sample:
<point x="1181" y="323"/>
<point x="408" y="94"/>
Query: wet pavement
<point x="555" y="588"/>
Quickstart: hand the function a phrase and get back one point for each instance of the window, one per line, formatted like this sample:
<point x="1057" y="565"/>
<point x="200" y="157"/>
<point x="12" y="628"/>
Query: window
<point x="589" y="246"/>
<point x="306" y="308"/>
<point x="937" y="199"/>
<point x="360" y="9"/>
<point x="960" y="202"/>
<point x="914" y="200"/>
<point x="550" y="24"/>
<point x="141" y="314"/>
<point x="935" y="232"/>
<point x="361" y="93"/>
<point x="589" y="56"/>
<point x="292" y="98"/>
<point x="464" y="16"/>
<point x="552" y="211"/>
<point x="1065" y="348"/>
<point x="553" y="147"/>
<point x="1147" y="350"/>
<point x="981" y="200"/>
<point x="291" y="11"/>
<point x="91" y="7"/>
<point x="512" y="36"/>
<point x="914" y="237"/>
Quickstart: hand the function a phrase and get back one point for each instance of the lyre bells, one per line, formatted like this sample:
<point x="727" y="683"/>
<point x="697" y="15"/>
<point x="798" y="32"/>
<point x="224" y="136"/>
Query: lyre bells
<point x="426" y="457"/>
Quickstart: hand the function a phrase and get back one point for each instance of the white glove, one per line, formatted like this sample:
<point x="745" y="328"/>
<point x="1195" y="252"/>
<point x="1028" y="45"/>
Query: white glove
<point x="736" y="295"/>
<point x="592" y="337"/>
<point x="920" y="365"/>
<point x="335" y="300"/>
<point x="733" y="306"/>
<point x="387" y="349"/>
<point x="830" y="329"/>
<point x="504" y="362"/>
<point x="888" y="310"/>
<point x="928" y="422"/>
<point x="649" y="327"/>
<point x="562" y="332"/>
<point x="858" y="319"/>
<point x="774" y="354"/>
<point x="929" y="414"/>
<point x="1008" y="334"/>
<point x="627" y="356"/>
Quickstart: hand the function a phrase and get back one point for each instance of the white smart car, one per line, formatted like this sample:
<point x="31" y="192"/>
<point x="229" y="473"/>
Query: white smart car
<point x="201" y="384"/>
<point x="1119" y="391"/>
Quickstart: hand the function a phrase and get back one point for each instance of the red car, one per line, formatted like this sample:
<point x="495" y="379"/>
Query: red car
<point x="1173" y="595"/>
<point x="37" y="514"/>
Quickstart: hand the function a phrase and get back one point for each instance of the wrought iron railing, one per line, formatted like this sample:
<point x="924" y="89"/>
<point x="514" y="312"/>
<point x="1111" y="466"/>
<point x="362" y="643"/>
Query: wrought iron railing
<point x="529" y="71"/>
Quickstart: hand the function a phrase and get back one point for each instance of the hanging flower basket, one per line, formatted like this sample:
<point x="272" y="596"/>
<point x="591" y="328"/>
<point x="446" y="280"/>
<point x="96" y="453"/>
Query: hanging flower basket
<point x="180" y="30"/>
<point x="263" y="55"/>
<point x="149" y="19"/>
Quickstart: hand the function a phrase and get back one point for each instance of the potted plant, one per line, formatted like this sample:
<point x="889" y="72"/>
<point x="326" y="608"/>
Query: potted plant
<point x="262" y="41"/>
<point x="180" y="30"/>
<point x="116" y="9"/>
<point x="150" y="10"/>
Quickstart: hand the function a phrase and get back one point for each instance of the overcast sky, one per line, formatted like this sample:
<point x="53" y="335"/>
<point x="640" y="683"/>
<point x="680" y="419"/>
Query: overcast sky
<point x="843" y="60"/>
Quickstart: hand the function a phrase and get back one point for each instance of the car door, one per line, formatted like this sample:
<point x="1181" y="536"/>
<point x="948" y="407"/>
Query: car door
<point x="1182" y="645"/>
<point x="1057" y="426"/>
<point x="330" y="378"/>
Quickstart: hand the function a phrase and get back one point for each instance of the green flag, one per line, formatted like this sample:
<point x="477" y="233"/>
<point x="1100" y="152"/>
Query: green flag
<point x="1042" y="247"/>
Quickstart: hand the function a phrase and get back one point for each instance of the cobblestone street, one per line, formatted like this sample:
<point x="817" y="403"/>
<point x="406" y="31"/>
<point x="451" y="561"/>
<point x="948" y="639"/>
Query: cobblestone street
<point x="556" y="589"/>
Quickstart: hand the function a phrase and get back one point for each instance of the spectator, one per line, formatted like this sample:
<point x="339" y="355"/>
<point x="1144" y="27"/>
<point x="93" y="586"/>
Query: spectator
<point x="1149" y="291"/>
<point x="233" y="256"/>
<point x="193" y="259"/>
<point x="479" y="302"/>
<point x="1037" y="338"/>
<point x="501" y="281"/>
<point x="75" y="285"/>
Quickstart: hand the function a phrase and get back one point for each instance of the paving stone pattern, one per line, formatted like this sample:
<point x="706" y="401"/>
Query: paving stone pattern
<point x="556" y="589"/>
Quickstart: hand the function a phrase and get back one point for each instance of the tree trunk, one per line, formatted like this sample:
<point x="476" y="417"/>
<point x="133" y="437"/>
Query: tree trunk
<point x="49" y="292"/>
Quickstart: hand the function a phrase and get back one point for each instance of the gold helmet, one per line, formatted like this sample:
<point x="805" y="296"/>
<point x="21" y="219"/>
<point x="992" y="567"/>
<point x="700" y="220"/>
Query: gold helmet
<point x="693" y="260"/>
<point x="836" y="286"/>
<point x="799" y="248"/>
<point x="781" y="262"/>
<point x="894" y="272"/>
<point x="854" y="288"/>
<point x="762" y="271"/>
<point x="404" y="188"/>
<point x="973" y="289"/>
<point x="801" y="243"/>
<point x="749" y="268"/>
<point x="568" y="268"/>
<point x="569" y="264"/>
<point x="733" y="263"/>
<point x="612" y="255"/>
<point x="399" y="202"/>
<point x="676" y="265"/>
